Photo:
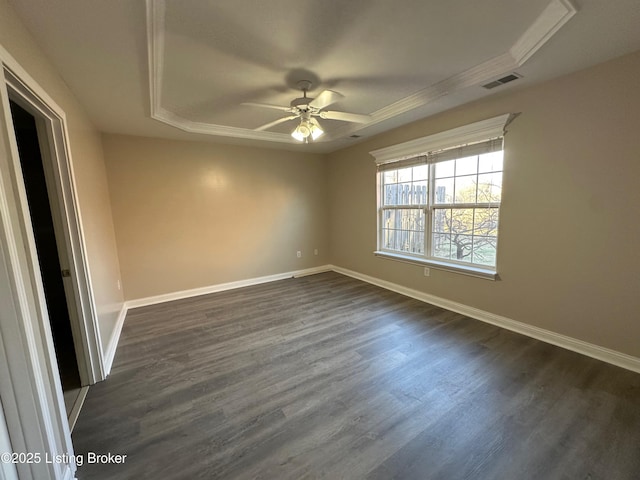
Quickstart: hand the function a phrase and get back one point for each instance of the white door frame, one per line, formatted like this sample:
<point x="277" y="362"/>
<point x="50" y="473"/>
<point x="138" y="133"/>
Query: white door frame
<point x="61" y="187"/>
<point x="29" y="380"/>
<point x="7" y="470"/>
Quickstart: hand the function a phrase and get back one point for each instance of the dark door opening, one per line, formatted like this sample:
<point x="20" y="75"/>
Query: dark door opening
<point x="46" y="245"/>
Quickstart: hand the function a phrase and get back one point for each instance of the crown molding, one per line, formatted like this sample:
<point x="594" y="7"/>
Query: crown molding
<point x="553" y="17"/>
<point x="470" y="77"/>
<point x="156" y="10"/>
<point x="190" y="126"/>
<point x="155" y="52"/>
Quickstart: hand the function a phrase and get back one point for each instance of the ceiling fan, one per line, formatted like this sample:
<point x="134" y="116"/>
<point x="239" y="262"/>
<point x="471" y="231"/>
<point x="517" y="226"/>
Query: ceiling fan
<point x="307" y="110"/>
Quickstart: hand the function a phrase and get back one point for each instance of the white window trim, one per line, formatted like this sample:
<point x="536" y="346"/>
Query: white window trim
<point x="449" y="266"/>
<point x="474" y="132"/>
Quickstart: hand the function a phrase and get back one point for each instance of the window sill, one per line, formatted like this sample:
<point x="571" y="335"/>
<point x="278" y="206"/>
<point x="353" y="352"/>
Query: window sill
<point x="448" y="267"/>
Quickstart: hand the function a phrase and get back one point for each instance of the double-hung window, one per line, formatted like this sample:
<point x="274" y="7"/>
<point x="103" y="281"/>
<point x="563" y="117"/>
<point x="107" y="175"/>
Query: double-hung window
<point x="439" y="200"/>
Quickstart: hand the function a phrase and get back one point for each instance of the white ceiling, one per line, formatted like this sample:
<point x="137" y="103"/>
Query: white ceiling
<point x="166" y="67"/>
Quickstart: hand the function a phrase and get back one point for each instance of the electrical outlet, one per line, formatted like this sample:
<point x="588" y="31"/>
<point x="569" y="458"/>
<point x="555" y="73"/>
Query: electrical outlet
<point x="119" y="285"/>
<point x="427" y="271"/>
<point x="315" y="252"/>
<point x="299" y="254"/>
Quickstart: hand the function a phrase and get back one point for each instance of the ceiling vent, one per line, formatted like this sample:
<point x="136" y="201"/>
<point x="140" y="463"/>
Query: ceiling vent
<point x="501" y="81"/>
<point x="355" y="136"/>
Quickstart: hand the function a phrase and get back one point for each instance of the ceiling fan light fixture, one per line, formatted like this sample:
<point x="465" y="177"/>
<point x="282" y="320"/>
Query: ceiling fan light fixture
<point x="316" y="130"/>
<point x="307" y="129"/>
<point x="301" y="132"/>
<point x="307" y="109"/>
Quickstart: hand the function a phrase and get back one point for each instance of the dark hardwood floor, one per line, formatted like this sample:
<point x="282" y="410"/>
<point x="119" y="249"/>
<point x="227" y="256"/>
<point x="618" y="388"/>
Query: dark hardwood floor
<point x="329" y="377"/>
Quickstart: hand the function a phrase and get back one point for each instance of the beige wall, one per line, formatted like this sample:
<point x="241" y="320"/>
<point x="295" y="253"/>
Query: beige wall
<point x="569" y="257"/>
<point x="196" y="214"/>
<point x="88" y="166"/>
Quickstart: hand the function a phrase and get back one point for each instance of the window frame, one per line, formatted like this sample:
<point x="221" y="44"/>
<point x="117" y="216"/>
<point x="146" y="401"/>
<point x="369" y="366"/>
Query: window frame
<point x="406" y="155"/>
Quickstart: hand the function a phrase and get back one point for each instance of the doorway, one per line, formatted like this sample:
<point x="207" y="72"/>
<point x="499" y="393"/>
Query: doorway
<point x="47" y="247"/>
<point x="30" y="384"/>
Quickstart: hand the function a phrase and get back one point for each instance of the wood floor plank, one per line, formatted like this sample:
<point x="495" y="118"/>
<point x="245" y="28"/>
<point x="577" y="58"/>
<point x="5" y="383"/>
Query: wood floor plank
<point x="329" y="377"/>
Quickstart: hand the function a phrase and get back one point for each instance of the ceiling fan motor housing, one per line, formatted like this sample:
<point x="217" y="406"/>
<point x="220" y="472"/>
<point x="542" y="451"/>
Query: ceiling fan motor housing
<point x="301" y="103"/>
<point x="307" y="109"/>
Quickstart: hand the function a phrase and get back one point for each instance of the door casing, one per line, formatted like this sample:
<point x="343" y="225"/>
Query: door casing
<point x="30" y="385"/>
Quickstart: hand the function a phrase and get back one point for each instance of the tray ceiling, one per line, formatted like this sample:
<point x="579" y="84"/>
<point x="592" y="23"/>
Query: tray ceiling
<point x="208" y="58"/>
<point x="191" y="64"/>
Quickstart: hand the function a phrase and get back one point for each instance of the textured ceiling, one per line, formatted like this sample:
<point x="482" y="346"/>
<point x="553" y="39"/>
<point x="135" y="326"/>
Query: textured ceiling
<point x="166" y="67"/>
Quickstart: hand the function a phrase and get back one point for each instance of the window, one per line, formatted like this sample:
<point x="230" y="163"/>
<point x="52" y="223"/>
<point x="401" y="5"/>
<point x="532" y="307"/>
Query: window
<point x="441" y="207"/>
<point x="405" y="193"/>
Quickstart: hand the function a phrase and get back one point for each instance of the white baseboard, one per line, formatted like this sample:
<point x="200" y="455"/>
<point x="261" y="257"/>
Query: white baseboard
<point x="312" y="271"/>
<point x="143" y="302"/>
<point x="595" y="351"/>
<point x="110" y="354"/>
<point x="77" y="406"/>
<point x="221" y="287"/>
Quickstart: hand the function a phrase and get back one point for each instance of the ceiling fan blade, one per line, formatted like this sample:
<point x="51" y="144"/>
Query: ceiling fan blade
<point x="316" y="123"/>
<point x="346" y="117"/>
<point x="266" y="105"/>
<point x="326" y="98"/>
<point x="266" y="126"/>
